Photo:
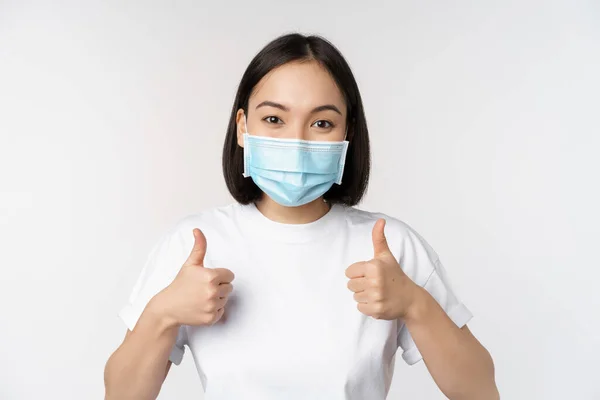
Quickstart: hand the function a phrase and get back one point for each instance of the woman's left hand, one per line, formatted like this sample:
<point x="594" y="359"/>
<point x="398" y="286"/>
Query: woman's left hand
<point x="381" y="289"/>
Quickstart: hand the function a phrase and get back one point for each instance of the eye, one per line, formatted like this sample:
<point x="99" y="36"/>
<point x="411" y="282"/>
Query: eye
<point x="271" y="119"/>
<point x="323" y="124"/>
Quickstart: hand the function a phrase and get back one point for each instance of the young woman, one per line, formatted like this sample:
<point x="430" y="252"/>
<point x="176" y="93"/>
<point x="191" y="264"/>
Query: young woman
<point x="324" y="293"/>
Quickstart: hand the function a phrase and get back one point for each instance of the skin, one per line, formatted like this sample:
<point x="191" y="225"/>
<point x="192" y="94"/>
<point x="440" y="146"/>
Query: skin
<point x="197" y="296"/>
<point x="299" y="100"/>
<point x="300" y="87"/>
<point x="461" y="367"/>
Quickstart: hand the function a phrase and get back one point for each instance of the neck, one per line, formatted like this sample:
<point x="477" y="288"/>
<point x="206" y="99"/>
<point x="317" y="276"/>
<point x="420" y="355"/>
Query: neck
<point x="292" y="215"/>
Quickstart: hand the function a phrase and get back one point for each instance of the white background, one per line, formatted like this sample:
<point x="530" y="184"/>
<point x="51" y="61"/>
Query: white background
<point x="485" y="124"/>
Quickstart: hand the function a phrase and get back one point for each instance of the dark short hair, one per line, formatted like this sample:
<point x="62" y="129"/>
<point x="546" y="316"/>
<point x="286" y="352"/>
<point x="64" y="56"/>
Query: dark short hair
<point x="285" y="49"/>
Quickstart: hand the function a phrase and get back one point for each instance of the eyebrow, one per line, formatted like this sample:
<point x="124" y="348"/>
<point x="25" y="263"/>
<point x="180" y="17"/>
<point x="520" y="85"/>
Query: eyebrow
<point x="324" y="107"/>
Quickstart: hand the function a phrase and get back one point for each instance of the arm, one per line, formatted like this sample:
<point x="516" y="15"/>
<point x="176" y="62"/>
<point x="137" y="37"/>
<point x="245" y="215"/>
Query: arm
<point x="461" y="367"/>
<point x="138" y="368"/>
<point x="196" y="297"/>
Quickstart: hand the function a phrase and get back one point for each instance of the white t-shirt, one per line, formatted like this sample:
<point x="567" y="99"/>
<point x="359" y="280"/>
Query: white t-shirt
<point x="291" y="329"/>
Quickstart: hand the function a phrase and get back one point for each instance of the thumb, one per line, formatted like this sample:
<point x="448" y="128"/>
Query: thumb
<point x="198" y="252"/>
<point x="380" y="245"/>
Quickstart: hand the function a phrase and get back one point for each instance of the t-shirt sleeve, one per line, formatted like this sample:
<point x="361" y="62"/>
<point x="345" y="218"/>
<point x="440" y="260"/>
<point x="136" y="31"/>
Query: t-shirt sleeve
<point x="422" y="258"/>
<point x="160" y="269"/>
<point x="438" y="286"/>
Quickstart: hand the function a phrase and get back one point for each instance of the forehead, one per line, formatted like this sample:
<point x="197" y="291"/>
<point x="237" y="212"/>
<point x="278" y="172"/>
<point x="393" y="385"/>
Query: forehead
<point x="300" y="86"/>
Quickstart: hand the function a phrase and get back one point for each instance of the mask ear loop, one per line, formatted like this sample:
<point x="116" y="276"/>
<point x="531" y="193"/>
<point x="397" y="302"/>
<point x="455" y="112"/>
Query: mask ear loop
<point x="245" y="173"/>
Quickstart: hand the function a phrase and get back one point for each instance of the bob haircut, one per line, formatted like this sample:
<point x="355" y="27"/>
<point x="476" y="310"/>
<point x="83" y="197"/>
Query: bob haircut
<point x="290" y="48"/>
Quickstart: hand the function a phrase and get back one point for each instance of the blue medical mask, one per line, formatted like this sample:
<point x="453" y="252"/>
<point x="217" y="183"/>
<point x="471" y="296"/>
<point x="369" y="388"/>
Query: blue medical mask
<point x="293" y="172"/>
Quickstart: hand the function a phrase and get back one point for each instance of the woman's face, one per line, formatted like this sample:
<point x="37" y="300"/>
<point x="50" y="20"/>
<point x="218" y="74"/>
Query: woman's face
<point x="298" y="100"/>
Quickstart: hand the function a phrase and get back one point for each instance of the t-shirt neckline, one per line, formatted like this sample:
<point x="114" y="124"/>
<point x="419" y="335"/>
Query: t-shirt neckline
<point x="261" y="225"/>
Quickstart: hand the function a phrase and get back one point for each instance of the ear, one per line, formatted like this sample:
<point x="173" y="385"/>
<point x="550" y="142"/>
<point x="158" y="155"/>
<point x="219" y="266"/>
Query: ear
<point x="240" y="120"/>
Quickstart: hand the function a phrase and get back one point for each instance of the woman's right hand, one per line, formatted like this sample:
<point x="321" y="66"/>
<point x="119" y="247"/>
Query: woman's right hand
<point x="197" y="295"/>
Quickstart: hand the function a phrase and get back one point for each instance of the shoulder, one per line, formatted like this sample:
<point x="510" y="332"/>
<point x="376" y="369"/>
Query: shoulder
<point x="218" y="224"/>
<point x="179" y="234"/>
<point x="357" y="216"/>
<point x="395" y="229"/>
<point x="212" y="219"/>
<point x="416" y="256"/>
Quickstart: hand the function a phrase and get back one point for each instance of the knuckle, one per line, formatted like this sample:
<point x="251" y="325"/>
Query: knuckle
<point x="376" y="269"/>
<point x="372" y="267"/>
<point x="375" y="282"/>
<point x="210" y="275"/>
<point x="211" y="292"/>
<point x="380" y="281"/>
<point x="379" y="308"/>
<point x="377" y="296"/>
<point x="209" y="305"/>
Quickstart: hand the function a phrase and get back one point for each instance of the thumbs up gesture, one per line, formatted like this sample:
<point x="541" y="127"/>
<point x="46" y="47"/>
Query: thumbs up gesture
<point x="381" y="289"/>
<point x="197" y="295"/>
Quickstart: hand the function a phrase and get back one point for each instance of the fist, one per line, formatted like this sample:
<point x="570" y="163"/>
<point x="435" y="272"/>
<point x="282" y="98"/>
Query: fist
<point x="381" y="289"/>
<point x="197" y="296"/>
